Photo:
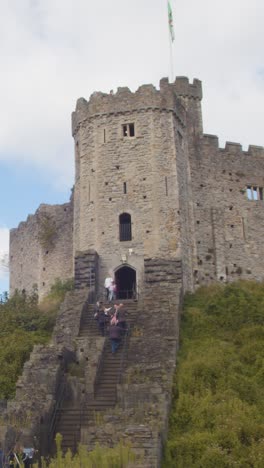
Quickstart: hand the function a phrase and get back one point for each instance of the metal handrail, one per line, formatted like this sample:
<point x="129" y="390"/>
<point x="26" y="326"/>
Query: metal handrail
<point x="59" y="400"/>
<point x="99" y="369"/>
<point x="124" y="354"/>
<point x="129" y="293"/>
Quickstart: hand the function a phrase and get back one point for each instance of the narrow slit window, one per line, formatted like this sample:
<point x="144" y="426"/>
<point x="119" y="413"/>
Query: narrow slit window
<point x="131" y="130"/>
<point x="125" y="187"/>
<point x="166" y="186"/>
<point x="125" y="231"/>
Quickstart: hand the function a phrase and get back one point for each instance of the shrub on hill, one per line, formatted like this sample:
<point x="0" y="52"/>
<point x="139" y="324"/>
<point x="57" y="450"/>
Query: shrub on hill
<point x="217" y="417"/>
<point x="120" y="456"/>
<point x="23" y="323"/>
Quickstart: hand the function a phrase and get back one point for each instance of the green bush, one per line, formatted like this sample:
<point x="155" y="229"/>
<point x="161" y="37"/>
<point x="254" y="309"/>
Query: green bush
<point x="217" y="417"/>
<point x="24" y="323"/>
<point x="119" y="456"/>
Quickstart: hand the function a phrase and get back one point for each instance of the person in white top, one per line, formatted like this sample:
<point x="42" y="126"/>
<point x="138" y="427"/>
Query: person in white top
<point x="107" y="284"/>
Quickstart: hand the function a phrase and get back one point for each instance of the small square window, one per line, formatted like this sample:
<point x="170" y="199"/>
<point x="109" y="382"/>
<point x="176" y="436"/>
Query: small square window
<point x="128" y="130"/>
<point x="254" y="193"/>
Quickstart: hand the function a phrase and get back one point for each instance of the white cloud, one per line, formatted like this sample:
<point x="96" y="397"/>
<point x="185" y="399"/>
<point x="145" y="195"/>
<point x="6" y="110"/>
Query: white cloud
<point x="54" y="51"/>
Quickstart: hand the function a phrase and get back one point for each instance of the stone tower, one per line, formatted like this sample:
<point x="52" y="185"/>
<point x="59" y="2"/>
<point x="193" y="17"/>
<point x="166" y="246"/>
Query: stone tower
<point x="131" y="175"/>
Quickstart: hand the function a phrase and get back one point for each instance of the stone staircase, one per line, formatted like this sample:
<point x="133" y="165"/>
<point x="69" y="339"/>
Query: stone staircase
<point x="70" y="418"/>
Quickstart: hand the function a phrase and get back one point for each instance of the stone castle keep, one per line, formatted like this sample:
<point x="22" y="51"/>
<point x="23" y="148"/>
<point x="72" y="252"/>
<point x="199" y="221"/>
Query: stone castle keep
<point x="159" y="206"/>
<point x="148" y="183"/>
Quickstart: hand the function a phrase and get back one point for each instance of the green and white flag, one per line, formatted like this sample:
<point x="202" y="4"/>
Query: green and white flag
<point x="170" y="19"/>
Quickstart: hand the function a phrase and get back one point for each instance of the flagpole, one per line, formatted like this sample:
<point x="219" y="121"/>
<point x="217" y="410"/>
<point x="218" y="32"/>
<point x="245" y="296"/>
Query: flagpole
<point x="171" y="61"/>
<point x="171" y="39"/>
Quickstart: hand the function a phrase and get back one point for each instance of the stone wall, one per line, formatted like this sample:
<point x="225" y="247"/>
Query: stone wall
<point x="228" y="225"/>
<point x="41" y="249"/>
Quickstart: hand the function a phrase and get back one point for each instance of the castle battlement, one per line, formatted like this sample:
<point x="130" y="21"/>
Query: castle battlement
<point x="147" y="97"/>
<point x="231" y="147"/>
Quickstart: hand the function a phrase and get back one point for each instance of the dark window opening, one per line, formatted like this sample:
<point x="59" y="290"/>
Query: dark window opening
<point x="125" y="231"/>
<point x="129" y="130"/>
<point x="125" y="187"/>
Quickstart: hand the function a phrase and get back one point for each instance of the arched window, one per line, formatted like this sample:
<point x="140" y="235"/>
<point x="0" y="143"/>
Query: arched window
<point x="125" y="233"/>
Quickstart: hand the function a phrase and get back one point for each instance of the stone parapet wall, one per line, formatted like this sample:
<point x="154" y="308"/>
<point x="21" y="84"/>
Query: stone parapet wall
<point x="86" y="271"/>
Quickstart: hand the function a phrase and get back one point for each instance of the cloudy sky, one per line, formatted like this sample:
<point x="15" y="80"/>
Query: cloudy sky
<point x="54" y="51"/>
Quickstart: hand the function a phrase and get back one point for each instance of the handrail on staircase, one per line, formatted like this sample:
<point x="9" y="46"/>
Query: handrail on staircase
<point x="60" y="396"/>
<point x="99" y="369"/>
<point x="124" y="354"/>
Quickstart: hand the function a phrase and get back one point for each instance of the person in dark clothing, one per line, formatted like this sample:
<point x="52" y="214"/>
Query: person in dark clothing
<point x="27" y="459"/>
<point x="102" y="319"/>
<point x="13" y="460"/>
<point x="115" y="333"/>
<point x="122" y="319"/>
<point x="97" y="307"/>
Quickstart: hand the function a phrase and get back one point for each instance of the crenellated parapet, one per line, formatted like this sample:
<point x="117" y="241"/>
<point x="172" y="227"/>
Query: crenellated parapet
<point x="147" y="97"/>
<point x="231" y="148"/>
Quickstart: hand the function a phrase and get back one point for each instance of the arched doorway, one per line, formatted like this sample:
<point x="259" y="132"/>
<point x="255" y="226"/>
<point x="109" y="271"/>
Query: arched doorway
<point x="125" y="278"/>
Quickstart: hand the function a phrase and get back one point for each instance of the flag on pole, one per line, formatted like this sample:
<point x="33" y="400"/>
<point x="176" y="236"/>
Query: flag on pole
<point x="170" y="19"/>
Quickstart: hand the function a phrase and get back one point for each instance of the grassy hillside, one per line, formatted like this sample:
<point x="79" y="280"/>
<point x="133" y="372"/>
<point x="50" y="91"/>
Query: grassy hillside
<point x="217" y="417"/>
<point x="24" y="323"/>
